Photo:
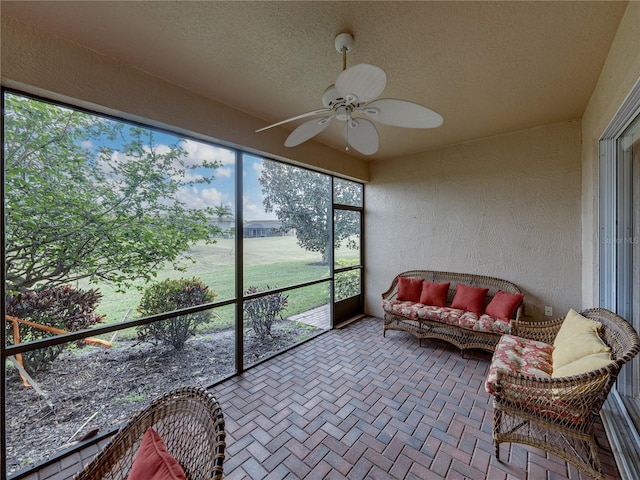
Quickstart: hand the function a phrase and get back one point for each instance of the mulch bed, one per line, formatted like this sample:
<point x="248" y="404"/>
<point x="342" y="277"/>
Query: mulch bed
<point x="95" y="389"/>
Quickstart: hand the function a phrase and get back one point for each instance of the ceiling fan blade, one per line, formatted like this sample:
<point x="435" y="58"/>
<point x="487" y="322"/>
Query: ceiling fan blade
<point x="401" y="113"/>
<point x="320" y="111"/>
<point x="362" y="135"/>
<point x="363" y="82"/>
<point x="308" y="129"/>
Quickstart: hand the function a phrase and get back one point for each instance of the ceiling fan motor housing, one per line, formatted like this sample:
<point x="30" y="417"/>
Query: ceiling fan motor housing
<point x="331" y="96"/>
<point x="343" y="112"/>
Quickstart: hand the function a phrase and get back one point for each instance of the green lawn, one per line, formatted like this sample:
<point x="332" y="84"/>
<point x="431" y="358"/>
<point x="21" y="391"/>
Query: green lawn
<point x="272" y="261"/>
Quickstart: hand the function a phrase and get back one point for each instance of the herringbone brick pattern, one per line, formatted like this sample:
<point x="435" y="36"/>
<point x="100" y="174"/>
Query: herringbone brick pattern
<point x="351" y="404"/>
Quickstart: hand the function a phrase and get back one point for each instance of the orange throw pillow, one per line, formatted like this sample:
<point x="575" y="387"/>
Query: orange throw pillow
<point x="469" y="298"/>
<point x="503" y="305"/>
<point x="434" y="293"/>
<point x="409" y="289"/>
<point x="153" y="461"/>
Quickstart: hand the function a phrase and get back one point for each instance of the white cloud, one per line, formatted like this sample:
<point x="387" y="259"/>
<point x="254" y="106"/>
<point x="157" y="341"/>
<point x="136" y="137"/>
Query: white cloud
<point x="107" y="166"/>
<point x="223" y="172"/>
<point x="160" y="149"/>
<point x="207" y="197"/>
<point x="189" y="176"/>
<point x="197" y="152"/>
<point x="255" y="211"/>
<point x="257" y="167"/>
<point x="212" y="196"/>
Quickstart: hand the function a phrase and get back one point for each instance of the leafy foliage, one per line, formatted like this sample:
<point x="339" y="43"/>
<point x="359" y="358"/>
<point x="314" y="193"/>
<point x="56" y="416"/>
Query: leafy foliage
<point x="346" y="284"/>
<point x="167" y="296"/>
<point x="301" y="199"/>
<point x="222" y="211"/>
<point x="77" y="207"/>
<point x="261" y="312"/>
<point x="60" y="307"/>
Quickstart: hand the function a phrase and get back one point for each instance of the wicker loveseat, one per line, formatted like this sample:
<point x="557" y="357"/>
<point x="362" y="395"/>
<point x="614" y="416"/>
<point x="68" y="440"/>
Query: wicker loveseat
<point x="538" y="404"/>
<point x="190" y="422"/>
<point x="464" y="329"/>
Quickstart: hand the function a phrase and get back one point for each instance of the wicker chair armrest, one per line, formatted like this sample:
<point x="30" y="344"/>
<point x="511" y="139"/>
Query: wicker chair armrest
<point x="540" y="331"/>
<point x="567" y="399"/>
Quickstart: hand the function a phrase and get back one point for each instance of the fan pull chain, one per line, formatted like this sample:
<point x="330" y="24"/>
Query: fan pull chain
<point x="346" y="148"/>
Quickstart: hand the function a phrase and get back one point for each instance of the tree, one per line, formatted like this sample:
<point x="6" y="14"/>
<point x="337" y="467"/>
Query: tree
<point x="222" y="211"/>
<point x="301" y="200"/>
<point x="86" y="197"/>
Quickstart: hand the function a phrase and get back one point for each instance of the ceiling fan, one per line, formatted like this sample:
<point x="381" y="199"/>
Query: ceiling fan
<point x="352" y="100"/>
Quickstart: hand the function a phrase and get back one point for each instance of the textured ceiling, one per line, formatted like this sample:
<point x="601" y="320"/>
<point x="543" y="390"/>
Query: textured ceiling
<point x="487" y="67"/>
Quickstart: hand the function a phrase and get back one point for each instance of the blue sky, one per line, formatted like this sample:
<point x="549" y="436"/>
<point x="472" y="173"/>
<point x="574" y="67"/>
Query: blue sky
<point x="222" y="189"/>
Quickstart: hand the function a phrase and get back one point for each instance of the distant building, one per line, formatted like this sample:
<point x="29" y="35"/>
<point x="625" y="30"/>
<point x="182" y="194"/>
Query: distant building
<point x="226" y="225"/>
<point x="265" y="228"/>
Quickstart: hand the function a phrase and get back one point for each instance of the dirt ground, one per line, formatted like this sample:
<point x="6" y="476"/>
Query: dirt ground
<point x="95" y="389"/>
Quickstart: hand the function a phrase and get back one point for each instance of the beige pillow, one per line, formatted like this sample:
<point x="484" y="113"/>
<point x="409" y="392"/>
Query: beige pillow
<point x="585" y="364"/>
<point x="577" y="338"/>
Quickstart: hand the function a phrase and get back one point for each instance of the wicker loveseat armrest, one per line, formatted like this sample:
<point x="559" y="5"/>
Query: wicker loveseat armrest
<point x="518" y="315"/>
<point x="392" y="292"/>
<point x="540" y="331"/>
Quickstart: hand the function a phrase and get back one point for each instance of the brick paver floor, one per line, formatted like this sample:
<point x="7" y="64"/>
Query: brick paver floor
<point x="318" y="317"/>
<point x="351" y="404"/>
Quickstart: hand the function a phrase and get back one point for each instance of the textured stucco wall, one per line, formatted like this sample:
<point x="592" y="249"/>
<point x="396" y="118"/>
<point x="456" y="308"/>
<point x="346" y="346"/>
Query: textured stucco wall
<point x="620" y="73"/>
<point x="507" y="206"/>
<point x="51" y="66"/>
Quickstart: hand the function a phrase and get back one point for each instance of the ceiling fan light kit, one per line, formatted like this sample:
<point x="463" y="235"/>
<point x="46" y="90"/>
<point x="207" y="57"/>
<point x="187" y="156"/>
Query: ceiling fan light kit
<point x="351" y="99"/>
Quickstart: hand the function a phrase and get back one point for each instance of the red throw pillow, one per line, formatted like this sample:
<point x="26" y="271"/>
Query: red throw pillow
<point x="153" y="461"/>
<point x="434" y="293"/>
<point x="409" y="289"/>
<point x="504" y="304"/>
<point x="469" y="298"/>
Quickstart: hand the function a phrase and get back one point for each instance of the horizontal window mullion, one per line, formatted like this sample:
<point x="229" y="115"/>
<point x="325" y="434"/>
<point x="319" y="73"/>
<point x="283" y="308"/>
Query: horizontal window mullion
<point x="94" y="332"/>
<point x="285" y="289"/>
<point x="342" y="206"/>
<point x="347" y="269"/>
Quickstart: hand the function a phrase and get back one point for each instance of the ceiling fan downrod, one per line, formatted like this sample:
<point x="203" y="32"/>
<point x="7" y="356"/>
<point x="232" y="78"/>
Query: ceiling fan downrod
<point x="344" y="44"/>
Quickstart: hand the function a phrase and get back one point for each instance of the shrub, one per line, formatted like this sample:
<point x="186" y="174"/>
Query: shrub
<point x="170" y="295"/>
<point x="261" y="312"/>
<point x="346" y="284"/>
<point x="62" y="307"/>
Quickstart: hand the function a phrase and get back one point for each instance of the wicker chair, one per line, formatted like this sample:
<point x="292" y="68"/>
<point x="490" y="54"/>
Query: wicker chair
<point x="190" y="422"/>
<point x="558" y="414"/>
